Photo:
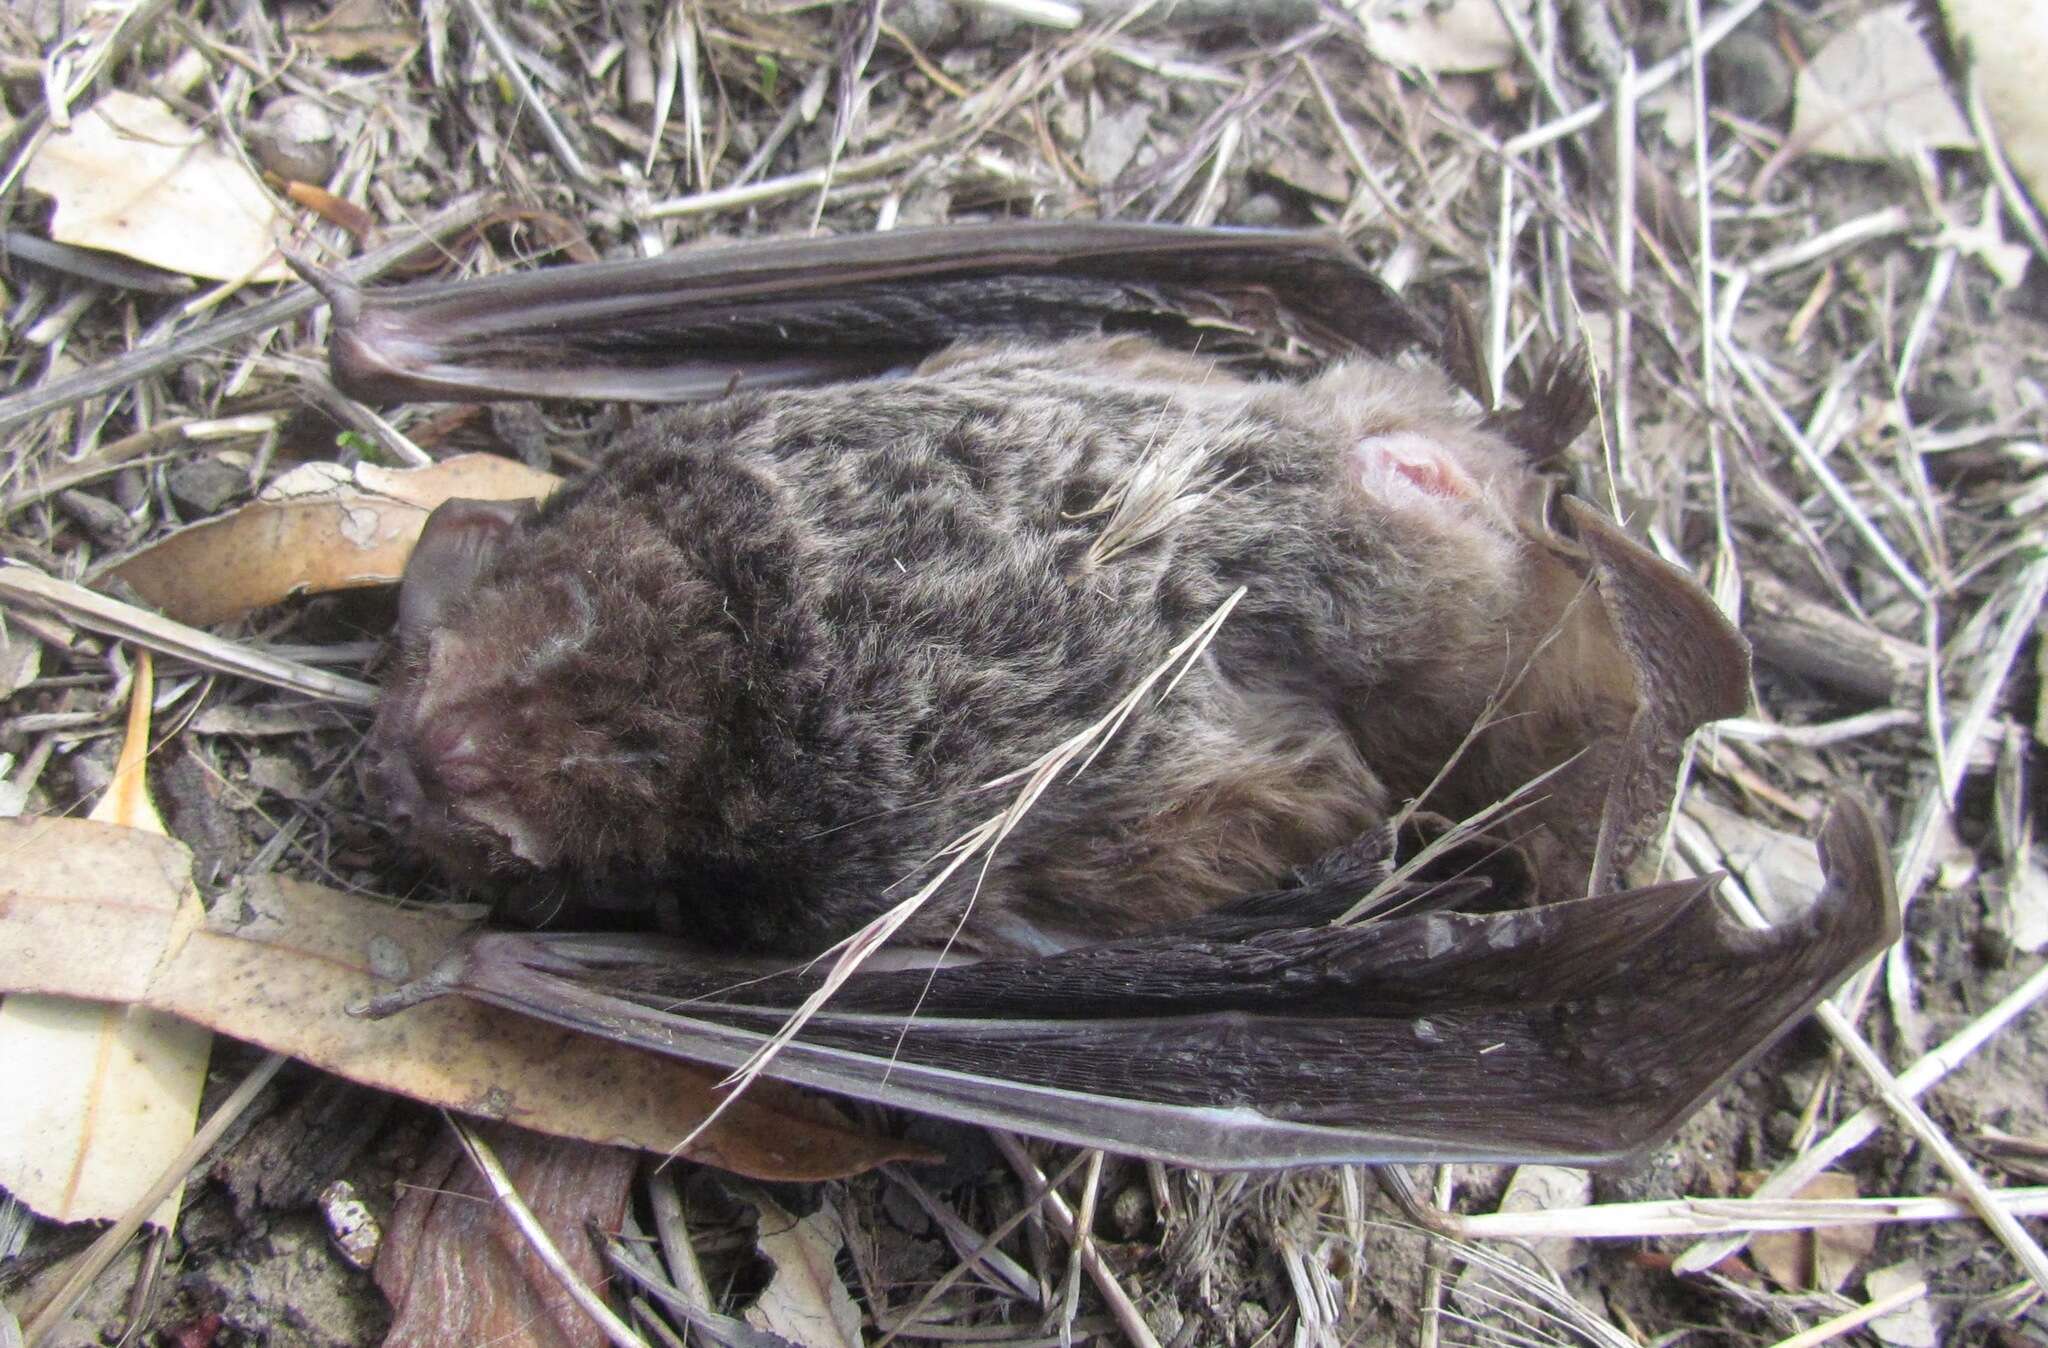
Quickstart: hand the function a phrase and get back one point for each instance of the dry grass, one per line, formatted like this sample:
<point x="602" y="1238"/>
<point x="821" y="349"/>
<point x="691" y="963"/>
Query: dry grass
<point x="1814" y="395"/>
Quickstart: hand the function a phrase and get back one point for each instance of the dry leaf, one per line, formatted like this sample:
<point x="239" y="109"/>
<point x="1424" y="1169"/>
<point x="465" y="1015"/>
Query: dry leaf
<point x="1778" y="869"/>
<point x="359" y="30"/>
<point x="2007" y="41"/>
<point x="132" y="178"/>
<point x="317" y="528"/>
<point x="21" y="660"/>
<point x="88" y="911"/>
<point x="804" y="1302"/>
<point x="1542" y="1188"/>
<point x="2019" y="907"/>
<point x="1822" y="1259"/>
<point x="458" y="1271"/>
<point x="115" y="1088"/>
<point x="1911" y="1325"/>
<point x="1465" y="37"/>
<point x="1874" y="92"/>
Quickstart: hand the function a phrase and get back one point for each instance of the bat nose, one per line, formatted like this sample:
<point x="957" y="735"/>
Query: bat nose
<point x="450" y="760"/>
<point x="399" y="786"/>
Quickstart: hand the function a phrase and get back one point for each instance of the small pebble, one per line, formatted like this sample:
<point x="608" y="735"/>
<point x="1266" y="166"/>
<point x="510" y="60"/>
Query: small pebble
<point x="350" y="1221"/>
<point x="1261" y="210"/>
<point x="1130" y="1212"/>
<point x="1748" y="75"/>
<point x="206" y="485"/>
<point x="295" y="139"/>
<point x="101" y="518"/>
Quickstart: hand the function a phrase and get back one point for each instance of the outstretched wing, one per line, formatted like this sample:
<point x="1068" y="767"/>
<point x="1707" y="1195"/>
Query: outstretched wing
<point x="701" y="322"/>
<point x="1262" y="1035"/>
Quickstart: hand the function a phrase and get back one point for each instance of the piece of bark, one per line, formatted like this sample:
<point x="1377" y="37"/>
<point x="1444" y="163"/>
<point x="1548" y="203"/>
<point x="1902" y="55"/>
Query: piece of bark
<point x="1801" y="635"/>
<point x="290" y="1155"/>
<point x="458" y="1271"/>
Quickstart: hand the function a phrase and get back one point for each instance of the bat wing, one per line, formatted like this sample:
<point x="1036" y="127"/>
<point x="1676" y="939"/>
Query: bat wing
<point x="701" y="322"/>
<point x="1262" y="1035"/>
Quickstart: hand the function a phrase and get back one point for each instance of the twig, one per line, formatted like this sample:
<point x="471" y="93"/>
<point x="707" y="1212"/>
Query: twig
<point x="1853" y="1131"/>
<point x="25" y="585"/>
<point x="2009" y="189"/>
<point x="1810" y="248"/>
<point x="1712" y="1216"/>
<point x="531" y="103"/>
<point x="1653" y="79"/>
<point x="965" y="1240"/>
<point x="673" y="1231"/>
<point x="1106" y="1282"/>
<point x="110" y="1242"/>
<point x="209" y="339"/>
<point x="1819" y="735"/>
<point x="1040" y="1189"/>
<point x="1084" y="1244"/>
<point x="1850" y="1320"/>
<point x="1987" y="1203"/>
<point x="544" y="1248"/>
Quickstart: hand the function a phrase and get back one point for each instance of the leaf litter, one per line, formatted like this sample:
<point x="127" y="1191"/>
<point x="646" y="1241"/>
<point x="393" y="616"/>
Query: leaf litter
<point x="1759" y="299"/>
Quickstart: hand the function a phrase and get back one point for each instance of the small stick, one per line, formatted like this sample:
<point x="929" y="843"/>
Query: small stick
<point x="1721" y="1216"/>
<point x="1841" y="1324"/>
<point x="965" y="1240"/>
<point x="102" y="1251"/>
<point x="637" y="63"/>
<point x="1853" y="1131"/>
<point x="1120" y="1304"/>
<point x="1435" y="1257"/>
<point x="1041" y="1189"/>
<point x="1084" y="1241"/>
<point x="1820" y="734"/>
<point x="530" y="101"/>
<point x="208" y="339"/>
<point x="26" y="585"/>
<point x="1814" y="247"/>
<point x="487" y="1164"/>
<point x="1621" y="375"/>
<point x="677" y="1250"/>
<point x="1655" y="78"/>
<point x="1831" y="484"/>
<point x="1989" y="1204"/>
<point x="2009" y="189"/>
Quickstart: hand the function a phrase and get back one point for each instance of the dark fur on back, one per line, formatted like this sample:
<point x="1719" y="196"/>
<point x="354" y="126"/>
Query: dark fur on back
<point x="751" y="672"/>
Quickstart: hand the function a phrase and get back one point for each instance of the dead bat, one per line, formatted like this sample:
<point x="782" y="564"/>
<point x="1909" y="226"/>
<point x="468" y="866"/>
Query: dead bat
<point x="752" y="681"/>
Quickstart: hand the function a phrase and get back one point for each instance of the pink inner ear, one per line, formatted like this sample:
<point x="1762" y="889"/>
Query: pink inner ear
<point x="1402" y="463"/>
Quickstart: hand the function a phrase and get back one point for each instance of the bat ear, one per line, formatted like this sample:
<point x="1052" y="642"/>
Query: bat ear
<point x="457" y="542"/>
<point x="1631" y="648"/>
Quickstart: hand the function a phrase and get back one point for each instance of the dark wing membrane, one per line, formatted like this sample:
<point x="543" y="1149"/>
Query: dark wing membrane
<point x="1574" y="1032"/>
<point x="699" y="323"/>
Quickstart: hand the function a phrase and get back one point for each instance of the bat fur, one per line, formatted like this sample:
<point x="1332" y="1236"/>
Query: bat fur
<point x="746" y="682"/>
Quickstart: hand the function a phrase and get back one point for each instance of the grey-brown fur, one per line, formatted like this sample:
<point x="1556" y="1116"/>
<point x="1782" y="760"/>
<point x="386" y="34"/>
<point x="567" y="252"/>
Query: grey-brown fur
<point x="749" y="674"/>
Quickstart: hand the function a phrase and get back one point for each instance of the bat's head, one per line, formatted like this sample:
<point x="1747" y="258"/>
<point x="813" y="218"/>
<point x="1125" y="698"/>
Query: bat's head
<point x="537" y="717"/>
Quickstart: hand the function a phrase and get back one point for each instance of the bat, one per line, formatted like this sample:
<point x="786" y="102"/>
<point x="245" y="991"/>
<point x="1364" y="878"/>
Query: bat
<point x="739" y="689"/>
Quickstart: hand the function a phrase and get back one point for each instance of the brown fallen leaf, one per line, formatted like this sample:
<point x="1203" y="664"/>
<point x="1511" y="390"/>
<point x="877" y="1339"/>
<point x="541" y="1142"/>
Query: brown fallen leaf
<point x="359" y="30"/>
<point x="1820" y="1260"/>
<point x="88" y="911"/>
<point x="457" y="1270"/>
<point x="805" y="1302"/>
<point x="316" y="529"/>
